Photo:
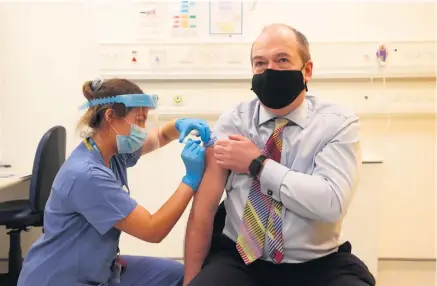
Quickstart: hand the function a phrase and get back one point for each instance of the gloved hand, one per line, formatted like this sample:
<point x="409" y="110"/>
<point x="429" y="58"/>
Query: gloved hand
<point x="186" y="125"/>
<point x="193" y="156"/>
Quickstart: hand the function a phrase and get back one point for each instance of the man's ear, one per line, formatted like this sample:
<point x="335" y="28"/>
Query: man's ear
<point x="308" y="75"/>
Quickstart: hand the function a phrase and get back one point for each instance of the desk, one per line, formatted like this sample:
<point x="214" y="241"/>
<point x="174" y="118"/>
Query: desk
<point x="8" y="182"/>
<point x="15" y="187"/>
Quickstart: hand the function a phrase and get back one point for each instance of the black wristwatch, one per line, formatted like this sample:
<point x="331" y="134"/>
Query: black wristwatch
<point x="256" y="165"/>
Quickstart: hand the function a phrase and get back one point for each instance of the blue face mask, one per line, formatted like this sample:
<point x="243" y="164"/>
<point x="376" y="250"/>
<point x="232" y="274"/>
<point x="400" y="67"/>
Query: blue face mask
<point x="132" y="142"/>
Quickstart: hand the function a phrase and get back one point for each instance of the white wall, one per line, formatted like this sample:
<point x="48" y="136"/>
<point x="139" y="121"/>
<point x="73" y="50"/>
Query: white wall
<point x="45" y="59"/>
<point x="407" y="273"/>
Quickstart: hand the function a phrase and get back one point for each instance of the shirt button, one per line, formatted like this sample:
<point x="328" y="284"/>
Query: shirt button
<point x="270" y="192"/>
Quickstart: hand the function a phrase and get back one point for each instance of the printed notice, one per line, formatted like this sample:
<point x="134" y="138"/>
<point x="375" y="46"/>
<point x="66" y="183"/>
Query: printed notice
<point x="184" y="23"/>
<point x="151" y="21"/>
<point x="226" y="17"/>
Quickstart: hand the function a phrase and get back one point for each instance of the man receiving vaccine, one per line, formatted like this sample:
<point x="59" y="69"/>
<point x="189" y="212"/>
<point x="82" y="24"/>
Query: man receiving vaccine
<point x="290" y="165"/>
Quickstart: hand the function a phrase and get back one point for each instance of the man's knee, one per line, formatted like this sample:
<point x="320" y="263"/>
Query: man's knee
<point x="222" y="270"/>
<point x="350" y="280"/>
<point x="345" y="269"/>
<point x="229" y="277"/>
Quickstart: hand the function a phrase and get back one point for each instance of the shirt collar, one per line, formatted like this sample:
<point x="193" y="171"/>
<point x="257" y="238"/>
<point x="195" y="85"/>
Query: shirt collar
<point x="298" y="116"/>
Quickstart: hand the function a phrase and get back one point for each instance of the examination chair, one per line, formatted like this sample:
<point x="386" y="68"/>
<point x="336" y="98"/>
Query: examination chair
<point x="19" y="215"/>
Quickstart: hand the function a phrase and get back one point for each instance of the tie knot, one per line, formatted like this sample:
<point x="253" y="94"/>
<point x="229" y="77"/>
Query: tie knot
<point x="280" y="122"/>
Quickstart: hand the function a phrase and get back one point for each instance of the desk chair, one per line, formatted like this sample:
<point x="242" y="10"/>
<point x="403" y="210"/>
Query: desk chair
<point x="18" y="215"/>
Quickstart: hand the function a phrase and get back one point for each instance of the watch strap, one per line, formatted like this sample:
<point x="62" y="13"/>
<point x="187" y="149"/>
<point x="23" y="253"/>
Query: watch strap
<point x="256" y="165"/>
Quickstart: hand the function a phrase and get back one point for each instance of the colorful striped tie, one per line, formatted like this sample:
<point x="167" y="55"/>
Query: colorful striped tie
<point x="261" y="211"/>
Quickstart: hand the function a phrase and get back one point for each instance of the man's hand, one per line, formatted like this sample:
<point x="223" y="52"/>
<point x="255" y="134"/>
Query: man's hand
<point x="235" y="153"/>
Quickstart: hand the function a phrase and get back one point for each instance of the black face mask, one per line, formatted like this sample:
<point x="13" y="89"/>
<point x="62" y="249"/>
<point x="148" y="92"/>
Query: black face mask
<point x="277" y="89"/>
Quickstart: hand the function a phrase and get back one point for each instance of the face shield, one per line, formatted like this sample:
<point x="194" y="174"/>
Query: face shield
<point x="149" y="101"/>
<point x="152" y="129"/>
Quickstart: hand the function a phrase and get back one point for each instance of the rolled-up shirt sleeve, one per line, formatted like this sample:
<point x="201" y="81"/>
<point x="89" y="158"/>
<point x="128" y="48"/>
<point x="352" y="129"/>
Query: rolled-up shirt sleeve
<point x="227" y="124"/>
<point x="325" y="194"/>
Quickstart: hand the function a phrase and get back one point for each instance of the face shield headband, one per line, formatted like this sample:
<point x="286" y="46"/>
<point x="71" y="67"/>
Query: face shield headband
<point x="148" y="136"/>
<point x="129" y="100"/>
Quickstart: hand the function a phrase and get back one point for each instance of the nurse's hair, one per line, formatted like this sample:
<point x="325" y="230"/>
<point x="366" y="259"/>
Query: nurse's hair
<point x="94" y="116"/>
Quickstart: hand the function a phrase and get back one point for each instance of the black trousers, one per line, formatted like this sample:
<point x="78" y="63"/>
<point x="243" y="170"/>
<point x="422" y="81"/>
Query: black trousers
<point x="224" y="267"/>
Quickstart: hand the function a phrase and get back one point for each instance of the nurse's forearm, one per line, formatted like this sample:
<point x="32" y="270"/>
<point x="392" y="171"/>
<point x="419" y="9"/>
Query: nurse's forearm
<point x="168" y="215"/>
<point x="154" y="228"/>
<point x="168" y="133"/>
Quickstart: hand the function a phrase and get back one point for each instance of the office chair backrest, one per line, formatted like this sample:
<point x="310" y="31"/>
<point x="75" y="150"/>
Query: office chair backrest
<point x="49" y="157"/>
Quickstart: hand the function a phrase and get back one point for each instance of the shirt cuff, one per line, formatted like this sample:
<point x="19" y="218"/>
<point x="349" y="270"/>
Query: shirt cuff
<point x="271" y="178"/>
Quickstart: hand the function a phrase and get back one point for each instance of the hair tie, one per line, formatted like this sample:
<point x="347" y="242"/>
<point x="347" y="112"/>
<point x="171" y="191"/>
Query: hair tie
<point x="96" y="84"/>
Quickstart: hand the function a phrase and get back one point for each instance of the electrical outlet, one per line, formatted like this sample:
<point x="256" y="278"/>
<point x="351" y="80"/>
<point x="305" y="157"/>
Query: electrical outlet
<point x="413" y="103"/>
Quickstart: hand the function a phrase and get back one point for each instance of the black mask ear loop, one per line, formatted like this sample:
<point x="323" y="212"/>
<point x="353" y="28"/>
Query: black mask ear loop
<point x="304" y="82"/>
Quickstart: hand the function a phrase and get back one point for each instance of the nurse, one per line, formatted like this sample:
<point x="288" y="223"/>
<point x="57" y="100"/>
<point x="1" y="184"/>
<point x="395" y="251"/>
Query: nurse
<point x="89" y="205"/>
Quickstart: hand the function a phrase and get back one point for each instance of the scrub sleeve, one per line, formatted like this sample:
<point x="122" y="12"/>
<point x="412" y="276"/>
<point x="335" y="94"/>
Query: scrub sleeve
<point x="101" y="199"/>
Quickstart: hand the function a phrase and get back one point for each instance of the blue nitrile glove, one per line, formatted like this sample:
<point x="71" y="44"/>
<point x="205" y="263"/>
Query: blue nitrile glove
<point x="193" y="156"/>
<point x="186" y="125"/>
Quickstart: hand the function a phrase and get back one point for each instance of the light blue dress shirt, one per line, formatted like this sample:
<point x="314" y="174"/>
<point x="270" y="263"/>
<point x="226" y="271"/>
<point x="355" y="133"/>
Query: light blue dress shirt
<point x="80" y="241"/>
<point x="315" y="180"/>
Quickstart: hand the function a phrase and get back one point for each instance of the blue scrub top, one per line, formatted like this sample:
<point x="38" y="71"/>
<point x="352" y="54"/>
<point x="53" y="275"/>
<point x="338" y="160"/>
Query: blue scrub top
<point x="80" y="242"/>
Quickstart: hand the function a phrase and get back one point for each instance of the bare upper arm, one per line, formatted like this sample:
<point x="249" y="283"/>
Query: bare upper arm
<point x="154" y="140"/>
<point x="212" y="186"/>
